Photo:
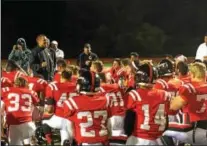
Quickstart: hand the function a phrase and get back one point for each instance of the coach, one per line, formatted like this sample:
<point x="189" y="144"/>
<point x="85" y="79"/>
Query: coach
<point x="85" y="58"/>
<point x="202" y="49"/>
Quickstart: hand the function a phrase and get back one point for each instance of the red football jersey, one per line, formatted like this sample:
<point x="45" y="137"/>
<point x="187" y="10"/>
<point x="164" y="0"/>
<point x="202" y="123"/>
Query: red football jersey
<point x="60" y="92"/>
<point x="115" y="94"/>
<point x="151" y="107"/>
<point x="74" y="79"/>
<point x="116" y="74"/>
<point x="195" y="94"/>
<point x="171" y="86"/>
<point x="5" y="82"/>
<point x="18" y="104"/>
<point x="12" y="75"/>
<point x="36" y="84"/>
<point x="130" y="81"/>
<point x="185" y="79"/>
<point x="89" y="114"/>
<point x="57" y="78"/>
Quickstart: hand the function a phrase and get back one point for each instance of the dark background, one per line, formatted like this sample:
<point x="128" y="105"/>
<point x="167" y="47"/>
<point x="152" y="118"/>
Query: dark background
<point x="113" y="27"/>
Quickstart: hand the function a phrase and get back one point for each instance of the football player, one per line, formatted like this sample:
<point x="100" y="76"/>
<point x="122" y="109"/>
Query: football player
<point x="56" y="94"/>
<point x="182" y="72"/>
<point x="75" y="70"/>
<point x="150" y="108"/>
<point x="5" y="82"/>
<point x="61" y="66"/>
<point x="116" y="121"/>
<point x="115" y="72"/>
<point x="192" y="99"/>
<point x="17" y="102"/>
<point x="89" y="111"/>
<point x="12" y="71"/>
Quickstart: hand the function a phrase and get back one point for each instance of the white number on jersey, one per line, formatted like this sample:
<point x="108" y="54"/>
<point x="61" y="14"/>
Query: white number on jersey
<point x="90" y="117"/>
<point x="159" y="119"/>
<point x="200" y="98"/>
<point x="15" y="103"/>
<point x="64" y="97"/>
<point x="31" y="85"/>
<point x="115" y="97"/>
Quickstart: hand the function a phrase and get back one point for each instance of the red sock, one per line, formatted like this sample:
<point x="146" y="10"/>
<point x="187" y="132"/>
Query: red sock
<point x="49" y="138"/>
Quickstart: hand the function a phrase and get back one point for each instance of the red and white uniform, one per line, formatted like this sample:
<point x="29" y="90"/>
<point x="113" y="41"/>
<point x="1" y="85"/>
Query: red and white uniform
<point x="60" y="92"/>
<point x="5" y="82"/>
<point x="151" y="107"/>
<point x="195" y="94"/>
<point x="171" y="86"/>
<point x="115" y="74"/>
<point x="36" y="84"/>
<point x="185" y="79"/>
<point x="117" y="109"/>
<point x="130" y="81"/>
<point x="57" y="78"/>
<point x="178" y="120"/>
<point x="12" y="75"/>
<point x="89" y="115"/>
<point x="17" y="103"/>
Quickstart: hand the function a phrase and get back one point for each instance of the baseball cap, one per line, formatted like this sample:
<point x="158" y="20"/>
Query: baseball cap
<point x="54" y="42"/>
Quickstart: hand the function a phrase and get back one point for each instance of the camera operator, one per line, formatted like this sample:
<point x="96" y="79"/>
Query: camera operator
<point x="85" y="59"/>
<point x="20" y="54"/>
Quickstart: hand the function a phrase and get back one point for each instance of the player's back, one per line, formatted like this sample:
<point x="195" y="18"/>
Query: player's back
<point x="12" y="75"/>
<point x="36" y="84"/>
<point x="89" y="114"/>
<point x="5" y="82"/>
<point x="18" y="104"/>
<point x="151" y="109"/>
<point x="172" y="85"/>
<point x="196" y="93"/>
<point x="115" y="95"/>
<point x="60" y="92"/>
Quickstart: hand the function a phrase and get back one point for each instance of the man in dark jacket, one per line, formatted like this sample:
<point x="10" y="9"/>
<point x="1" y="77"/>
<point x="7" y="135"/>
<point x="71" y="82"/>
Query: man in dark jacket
<point x="21" y="54"/>
<point x="41" y="60"/>
<point x="85" y="59"/>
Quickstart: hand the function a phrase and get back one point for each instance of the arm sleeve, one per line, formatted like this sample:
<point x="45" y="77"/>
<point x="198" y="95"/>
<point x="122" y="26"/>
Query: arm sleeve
<point x="14" y="55"/>
<point x="35" y="67"/>
<point x="61" y="54"/>
<point x="48" y="92"/>
<point x="199" y="54"/>
<point x="81" y="61"/>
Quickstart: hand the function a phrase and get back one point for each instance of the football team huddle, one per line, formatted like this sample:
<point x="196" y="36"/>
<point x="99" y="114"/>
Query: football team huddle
<point x="146" y="104"/>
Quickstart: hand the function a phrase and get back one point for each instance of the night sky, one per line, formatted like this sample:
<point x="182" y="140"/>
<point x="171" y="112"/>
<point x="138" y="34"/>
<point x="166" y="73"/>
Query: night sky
<point x="113" y="27"/>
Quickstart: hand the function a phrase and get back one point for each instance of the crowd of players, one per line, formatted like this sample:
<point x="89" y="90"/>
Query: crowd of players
<point x="128" y="104"/>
